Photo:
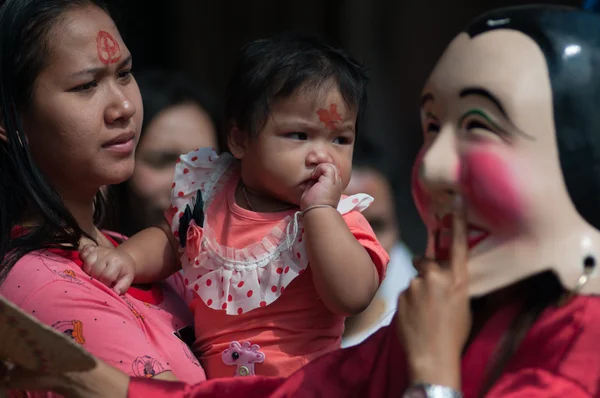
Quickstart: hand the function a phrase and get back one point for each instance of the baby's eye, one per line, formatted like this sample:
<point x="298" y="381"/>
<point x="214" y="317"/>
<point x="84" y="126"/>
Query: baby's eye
<point x="298" y="136"/>
<point x="341" y="141"/>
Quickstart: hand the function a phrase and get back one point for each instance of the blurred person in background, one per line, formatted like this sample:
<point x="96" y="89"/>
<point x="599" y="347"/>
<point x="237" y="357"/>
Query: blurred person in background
<point x="368" y="177"/>
<point x="179" y="116"/>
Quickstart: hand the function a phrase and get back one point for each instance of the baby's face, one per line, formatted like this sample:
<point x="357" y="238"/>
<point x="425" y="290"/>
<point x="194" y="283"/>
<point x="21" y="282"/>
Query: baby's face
<point x="304" y="130"/>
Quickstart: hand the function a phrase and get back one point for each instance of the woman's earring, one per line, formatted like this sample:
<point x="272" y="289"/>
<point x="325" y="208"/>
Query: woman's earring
<point x="589" y="265"/>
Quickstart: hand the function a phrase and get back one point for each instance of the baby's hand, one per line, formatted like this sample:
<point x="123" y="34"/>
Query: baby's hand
<point x="113" y="267"/>
<point x="326" y="189"/>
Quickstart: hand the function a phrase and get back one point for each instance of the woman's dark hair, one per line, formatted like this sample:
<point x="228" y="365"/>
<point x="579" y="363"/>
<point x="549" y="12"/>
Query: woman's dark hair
<point x="26" y="29"/>
<point x="160" y="90"/>
<point x="570" y="42"/>
<point x="267" y="70"/>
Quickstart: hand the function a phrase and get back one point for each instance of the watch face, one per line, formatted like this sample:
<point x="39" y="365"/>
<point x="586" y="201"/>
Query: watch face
<point x="415" y="392"/>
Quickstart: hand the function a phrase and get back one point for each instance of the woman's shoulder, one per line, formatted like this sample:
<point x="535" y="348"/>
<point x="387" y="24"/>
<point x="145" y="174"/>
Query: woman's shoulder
<point x="581" y="358"/>
<point x="564" y="342"/>
<point x="38" y="269"/>
<point x="56" y="283"/>
<point x="568" y="325"/>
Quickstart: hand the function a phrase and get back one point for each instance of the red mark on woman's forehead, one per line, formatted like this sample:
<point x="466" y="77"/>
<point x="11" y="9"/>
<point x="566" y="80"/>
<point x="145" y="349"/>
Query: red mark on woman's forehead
<point x="109" y="51"/>
<point x="329" y="117"/>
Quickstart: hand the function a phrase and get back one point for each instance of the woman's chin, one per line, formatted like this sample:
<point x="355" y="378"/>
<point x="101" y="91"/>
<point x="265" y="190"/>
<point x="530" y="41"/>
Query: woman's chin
<point x="117" y="175"/>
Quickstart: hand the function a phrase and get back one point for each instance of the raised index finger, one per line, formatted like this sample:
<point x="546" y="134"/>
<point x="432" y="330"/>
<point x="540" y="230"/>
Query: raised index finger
<point x="459" y="253"/>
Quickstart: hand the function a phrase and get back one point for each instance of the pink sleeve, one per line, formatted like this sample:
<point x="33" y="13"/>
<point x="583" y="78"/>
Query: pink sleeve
<point x="176" y="282"/>
<point x="102" y="323"/>
<point x="375" y="368"/>
<point x="536" y="383"/>
<point x="362" y="231"/>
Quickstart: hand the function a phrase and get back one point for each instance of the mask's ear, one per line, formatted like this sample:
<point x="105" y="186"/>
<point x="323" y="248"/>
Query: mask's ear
<point x="237" y="141"/>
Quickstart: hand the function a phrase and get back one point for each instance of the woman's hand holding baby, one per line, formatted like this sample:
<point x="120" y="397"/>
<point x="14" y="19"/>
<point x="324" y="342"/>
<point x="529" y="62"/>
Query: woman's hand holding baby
<point x="113" y="267"/>
<point x="324" y="189"/>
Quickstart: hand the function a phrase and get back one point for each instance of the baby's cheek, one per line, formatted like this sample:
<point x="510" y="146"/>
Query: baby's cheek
<point x="491" y="188"/>
<point x="345" y="169"/>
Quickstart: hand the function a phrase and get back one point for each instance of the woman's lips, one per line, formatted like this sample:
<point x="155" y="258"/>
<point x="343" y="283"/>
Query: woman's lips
<point x="443" y="237"/>
<point x="122" y="144"/>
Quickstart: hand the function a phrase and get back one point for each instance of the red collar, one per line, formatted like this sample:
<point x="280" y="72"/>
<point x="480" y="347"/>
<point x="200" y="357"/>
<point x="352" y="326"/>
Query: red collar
<point x="152" y="295"/>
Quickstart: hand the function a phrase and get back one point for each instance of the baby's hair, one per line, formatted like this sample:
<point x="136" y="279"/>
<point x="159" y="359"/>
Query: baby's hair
<point x="267" y="70"/>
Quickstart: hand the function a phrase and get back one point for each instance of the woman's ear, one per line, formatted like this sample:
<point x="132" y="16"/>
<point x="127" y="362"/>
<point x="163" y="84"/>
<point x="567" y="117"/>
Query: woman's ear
<point x="237" y="140"/>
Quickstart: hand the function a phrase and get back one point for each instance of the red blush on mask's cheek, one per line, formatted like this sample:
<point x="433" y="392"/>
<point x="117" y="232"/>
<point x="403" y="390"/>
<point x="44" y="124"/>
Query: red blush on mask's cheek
<point x="490" y="187"/>
<point x="421" y="198"/>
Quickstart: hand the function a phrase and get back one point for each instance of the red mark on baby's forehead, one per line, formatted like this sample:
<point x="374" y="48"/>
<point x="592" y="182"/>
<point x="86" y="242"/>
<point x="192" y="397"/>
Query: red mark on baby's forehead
<point x="109" y="51"/>
<point x="329" y="117"/>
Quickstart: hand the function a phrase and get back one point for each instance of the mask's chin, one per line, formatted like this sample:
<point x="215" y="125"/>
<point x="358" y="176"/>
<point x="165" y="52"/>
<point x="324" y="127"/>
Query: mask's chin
<point x="498" y="262"/>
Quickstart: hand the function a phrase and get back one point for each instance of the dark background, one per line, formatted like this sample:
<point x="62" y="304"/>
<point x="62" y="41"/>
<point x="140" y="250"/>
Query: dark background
<point x="398" y="40"/>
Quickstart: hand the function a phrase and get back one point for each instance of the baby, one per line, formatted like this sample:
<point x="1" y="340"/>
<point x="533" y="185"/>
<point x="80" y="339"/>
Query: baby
<point x="276" y="256"/>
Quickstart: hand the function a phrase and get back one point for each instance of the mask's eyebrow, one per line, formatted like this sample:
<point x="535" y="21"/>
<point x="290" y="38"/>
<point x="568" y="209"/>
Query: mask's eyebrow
<point x="482" y="92"/>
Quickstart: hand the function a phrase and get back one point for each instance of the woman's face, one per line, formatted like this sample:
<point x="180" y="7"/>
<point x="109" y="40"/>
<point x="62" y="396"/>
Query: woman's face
<point x="86" y="112"/>
<point x="489" y="135"/>
<point x="174" y="131"/>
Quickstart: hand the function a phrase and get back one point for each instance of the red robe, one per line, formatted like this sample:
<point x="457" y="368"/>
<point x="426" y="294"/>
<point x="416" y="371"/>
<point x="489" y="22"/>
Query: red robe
<point x="559" y="357"/>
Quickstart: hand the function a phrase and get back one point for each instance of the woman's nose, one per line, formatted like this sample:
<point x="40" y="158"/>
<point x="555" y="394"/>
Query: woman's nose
<point x="119" y="108"/>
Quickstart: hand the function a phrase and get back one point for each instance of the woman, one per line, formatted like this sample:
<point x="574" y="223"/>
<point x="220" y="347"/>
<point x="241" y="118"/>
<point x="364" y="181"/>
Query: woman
<point x="509" y="119"/>
<point x="71" y="117"/>
<point x="178" y="118"/>
<point x="510" y="124"/>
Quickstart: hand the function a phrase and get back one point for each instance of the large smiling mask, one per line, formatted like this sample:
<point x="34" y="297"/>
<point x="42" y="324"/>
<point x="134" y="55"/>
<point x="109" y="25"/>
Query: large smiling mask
<point x="511" y="120"/>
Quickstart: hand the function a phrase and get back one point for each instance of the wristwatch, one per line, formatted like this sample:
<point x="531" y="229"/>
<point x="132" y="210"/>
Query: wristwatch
<point x="424" y="390"/>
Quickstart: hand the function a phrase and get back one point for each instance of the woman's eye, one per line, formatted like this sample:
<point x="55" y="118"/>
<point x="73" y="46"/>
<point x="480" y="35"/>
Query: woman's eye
<point x="85" y="87"/>
<point x="298" y="136"/>
<point x="126" y="74"/>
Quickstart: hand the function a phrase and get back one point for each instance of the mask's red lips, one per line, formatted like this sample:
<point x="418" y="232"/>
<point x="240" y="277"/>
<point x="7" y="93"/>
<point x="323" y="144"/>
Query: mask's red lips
<point x="443" y="237"/>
